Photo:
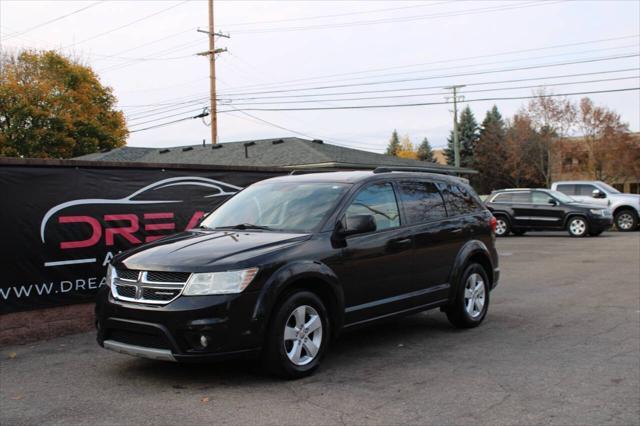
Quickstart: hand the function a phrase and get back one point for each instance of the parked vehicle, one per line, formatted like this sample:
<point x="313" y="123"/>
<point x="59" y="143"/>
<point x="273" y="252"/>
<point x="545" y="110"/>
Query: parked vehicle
<point x="522" y="210"/>
<point x="625" y="207"/>
<point x="283" y="266"/>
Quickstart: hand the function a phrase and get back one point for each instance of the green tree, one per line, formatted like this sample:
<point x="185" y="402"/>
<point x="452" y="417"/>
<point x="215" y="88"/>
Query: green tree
<point x="394" y="144"/>
<point x="490" y="154"/>
<point x="468" y="133"/>
<point x="53" y="107"/>
<point x="425" y="153"/>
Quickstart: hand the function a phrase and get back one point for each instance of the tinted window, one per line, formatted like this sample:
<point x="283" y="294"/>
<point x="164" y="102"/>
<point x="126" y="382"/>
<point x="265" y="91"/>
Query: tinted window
<point x="378" y="200"/>
<point x="541" y="198"/>
<point x="459" y="200"/>
<point x="584" y="190"/>
<point x="503" y="198"/>
<point x="422" y="202"/>
<point x="521" y="197"/>
<point x="567" y="189"/>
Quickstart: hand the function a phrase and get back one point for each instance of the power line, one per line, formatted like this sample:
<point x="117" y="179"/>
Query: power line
<point x="584" y="61"/>
<point x="400" y="19"/>
<point x="202" y="115"/>
<point x="510" y="52"/>
<point x="437" y="103"/>
<point x="42" y="24"/>
<point x="102" y="34"/>
<point x="190" y="103"/>
<point x="495" y="89"/>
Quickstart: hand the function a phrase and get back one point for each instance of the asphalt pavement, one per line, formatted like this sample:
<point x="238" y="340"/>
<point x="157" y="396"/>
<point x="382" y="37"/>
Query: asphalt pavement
<point x="561" y="345"/>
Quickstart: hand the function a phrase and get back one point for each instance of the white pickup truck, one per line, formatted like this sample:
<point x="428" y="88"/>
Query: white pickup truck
<point x="625" y="207"/>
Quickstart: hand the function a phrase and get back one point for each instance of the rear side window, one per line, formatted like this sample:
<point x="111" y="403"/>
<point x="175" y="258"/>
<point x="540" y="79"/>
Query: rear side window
<point x="422" y="202"/>
<point x="521" y="197"/>
<point x="378" y="200"/>
<point x="584" y="190"/>
<point x="567" y="189"/>
<point x="459" y="200"/>
<point x="503" y="198"/>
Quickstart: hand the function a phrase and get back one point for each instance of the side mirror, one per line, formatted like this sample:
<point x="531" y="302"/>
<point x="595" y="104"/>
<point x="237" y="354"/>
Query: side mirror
<point x="357" y="224"/>
<point x="553" y="201"/>
<point x="598" y="194"/>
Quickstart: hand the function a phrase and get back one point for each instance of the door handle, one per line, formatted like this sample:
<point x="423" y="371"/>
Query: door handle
<point x="400" y="243"/>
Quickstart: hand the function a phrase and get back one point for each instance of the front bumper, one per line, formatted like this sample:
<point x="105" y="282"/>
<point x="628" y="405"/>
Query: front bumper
<point x="600" y="223"/>
<point x="176" y="331"/>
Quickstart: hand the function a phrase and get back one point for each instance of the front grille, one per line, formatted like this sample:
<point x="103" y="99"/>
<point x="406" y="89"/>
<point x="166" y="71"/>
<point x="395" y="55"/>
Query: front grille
<point x="126" y="291"/>
<point x="168" y="277"/>
<point x="160" y="293"/>
<point x="127" y="274"/>
<point x="149" y="287"/>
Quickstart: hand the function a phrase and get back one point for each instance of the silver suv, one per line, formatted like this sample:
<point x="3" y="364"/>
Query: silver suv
<point x="625" y="207"/>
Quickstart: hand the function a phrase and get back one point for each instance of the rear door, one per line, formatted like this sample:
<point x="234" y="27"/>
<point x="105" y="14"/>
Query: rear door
<point x="426" y="216"/>
<point x="523" y="209"/>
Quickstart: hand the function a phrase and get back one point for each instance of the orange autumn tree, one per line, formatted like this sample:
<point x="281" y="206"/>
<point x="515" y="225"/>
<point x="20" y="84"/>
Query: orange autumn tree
<point x="54" y="107"/>
<point x="407" y="149"/>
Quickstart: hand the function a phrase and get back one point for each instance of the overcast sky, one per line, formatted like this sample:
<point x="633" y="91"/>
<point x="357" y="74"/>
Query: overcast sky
<point x="283" y="51"/>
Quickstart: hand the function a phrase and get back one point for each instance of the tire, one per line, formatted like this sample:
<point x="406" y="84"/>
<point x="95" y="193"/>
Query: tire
<point x="291" y="356"/>
<point x="626" y="220"/>
<point x="595" y="233"/>
<point x="519" y="233"/>
<point x="502" y="226"/>
<point x="578" y="227"/>
<point x="465" y="312"/>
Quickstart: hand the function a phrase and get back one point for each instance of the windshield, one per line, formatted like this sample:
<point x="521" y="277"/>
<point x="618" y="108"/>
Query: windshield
<point x="610" y="189"/>
<point x="563" y="198"/>
<point x="281" y="206"/>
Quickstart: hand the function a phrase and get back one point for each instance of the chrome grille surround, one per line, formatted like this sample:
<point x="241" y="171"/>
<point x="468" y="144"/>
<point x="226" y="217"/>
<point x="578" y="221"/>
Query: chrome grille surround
<point x="143" y="290"/>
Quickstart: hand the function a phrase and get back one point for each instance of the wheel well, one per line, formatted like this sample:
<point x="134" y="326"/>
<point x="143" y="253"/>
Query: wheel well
<point x="323" y="291"/>
<point x="484" y="261"/>
<point x="572" y="215"/>
<point x="621" y="208"/>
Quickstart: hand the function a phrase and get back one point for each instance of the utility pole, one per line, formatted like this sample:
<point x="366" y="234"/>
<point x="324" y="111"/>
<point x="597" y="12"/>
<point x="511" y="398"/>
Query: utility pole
<point x="212" y="71"/>
<point x="456" y="142"/>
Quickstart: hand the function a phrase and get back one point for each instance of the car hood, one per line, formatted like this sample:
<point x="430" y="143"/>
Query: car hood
<point x="203" y="250"/>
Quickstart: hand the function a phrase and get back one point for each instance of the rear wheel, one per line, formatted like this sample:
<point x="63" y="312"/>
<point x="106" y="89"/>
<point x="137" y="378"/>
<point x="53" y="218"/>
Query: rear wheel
<point x="472" y="298"/>
<point x="578" y="227"/>
<point x="626" y="220"/>
<point x="298" y="336"/>
<point x="502" y="226"/>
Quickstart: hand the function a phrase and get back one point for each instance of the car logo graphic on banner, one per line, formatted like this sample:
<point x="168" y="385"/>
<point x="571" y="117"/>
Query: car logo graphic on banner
<point x="124" y="224"/>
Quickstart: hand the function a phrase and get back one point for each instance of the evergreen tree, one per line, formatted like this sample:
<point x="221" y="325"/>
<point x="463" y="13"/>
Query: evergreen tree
<point x="425" y="153"/>
<point x="394" y="144"/>
<point x="490" y="154"/>
<point x="468" y="133"/>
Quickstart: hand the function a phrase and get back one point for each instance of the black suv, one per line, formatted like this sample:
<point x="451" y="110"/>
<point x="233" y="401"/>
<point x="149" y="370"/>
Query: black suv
<point x="283" y="266"/>
<point x="522" y="210"/>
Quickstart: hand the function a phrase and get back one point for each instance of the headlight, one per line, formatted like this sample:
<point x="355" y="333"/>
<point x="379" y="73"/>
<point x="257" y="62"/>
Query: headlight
<point x="228" y="282"/>
<point x="111" y="275"/>
<point x="598" y="212"/>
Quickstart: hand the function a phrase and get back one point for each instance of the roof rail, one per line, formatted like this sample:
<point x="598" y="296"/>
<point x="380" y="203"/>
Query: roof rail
<point x="389" y="169"/>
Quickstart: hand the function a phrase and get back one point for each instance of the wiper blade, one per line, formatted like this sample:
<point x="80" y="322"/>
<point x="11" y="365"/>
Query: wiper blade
<point x="245" y="226"/>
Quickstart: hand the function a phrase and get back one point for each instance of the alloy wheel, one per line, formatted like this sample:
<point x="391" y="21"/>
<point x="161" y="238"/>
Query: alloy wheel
<point x="578" y="227"/>
<point x="501" y="226"/>
<point x="474" y="295"/>
<point x="302" y="335"/>
<point x="624" y="221"/>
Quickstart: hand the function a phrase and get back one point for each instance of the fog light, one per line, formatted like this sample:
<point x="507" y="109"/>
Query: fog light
<point x="204" y="341"/>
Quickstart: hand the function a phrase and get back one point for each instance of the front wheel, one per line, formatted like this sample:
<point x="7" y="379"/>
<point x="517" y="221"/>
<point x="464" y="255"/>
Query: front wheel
<point x="298" y="336"/>
<point x="577" y="227"/>
<point x="472" y="298"/>
<point x="626" y="220"/>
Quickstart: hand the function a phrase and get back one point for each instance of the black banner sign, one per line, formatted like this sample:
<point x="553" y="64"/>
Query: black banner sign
<point x="62" y="225"/>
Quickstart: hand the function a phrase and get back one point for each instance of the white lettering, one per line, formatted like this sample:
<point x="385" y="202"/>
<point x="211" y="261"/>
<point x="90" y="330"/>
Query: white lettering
<point x="66" y="286"/>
